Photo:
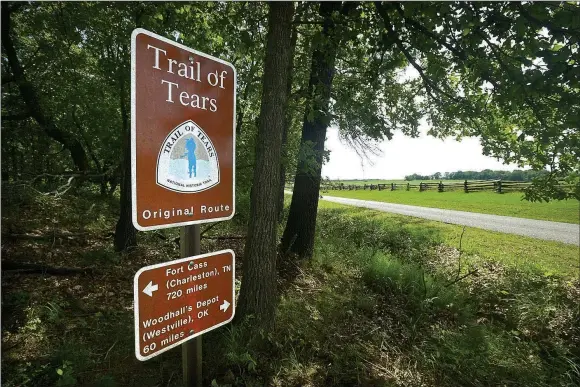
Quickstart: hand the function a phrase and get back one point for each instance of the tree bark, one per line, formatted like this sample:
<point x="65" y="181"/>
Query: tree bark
<point x="287" y="123"/>
<point x="258" y="293"/>
<point x="125" y="233"/>
<point x="298" y="236"/>
<point x="32" y="100"/>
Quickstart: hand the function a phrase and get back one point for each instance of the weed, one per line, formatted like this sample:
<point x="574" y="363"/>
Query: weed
<point x="100" y="256"/>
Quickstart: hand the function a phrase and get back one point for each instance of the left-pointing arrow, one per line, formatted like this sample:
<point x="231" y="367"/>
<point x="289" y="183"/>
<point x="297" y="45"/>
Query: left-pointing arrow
<point x="150" y="288"/>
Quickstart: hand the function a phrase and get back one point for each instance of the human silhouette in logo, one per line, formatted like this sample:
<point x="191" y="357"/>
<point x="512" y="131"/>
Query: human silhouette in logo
<point x="190" y="147"/>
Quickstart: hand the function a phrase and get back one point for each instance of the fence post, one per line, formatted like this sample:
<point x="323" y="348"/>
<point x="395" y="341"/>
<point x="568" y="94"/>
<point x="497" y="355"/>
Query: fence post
<point x="499" y="186"/>
<point x="392" y="186"/>
<point x="465" y="187"/>
<point x="440" y="186"/>
<point x="408" y="186"/>
<point x="421" y="187"/>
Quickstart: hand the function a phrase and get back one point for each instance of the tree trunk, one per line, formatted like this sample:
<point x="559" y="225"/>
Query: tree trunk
<point x="298" y="236"/>
<point x="32" y="101"/>
<point x="258" y="293"/>
<point x="287" y="124"/>
<point x="125" y="233"/>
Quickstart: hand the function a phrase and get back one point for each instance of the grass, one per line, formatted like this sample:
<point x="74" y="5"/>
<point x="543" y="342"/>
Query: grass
<point x="547" y="257"/>
<point x="503" y="326"/>
<point x="377" y="306"/>
<point x="508" y="204"/>
<point x="374" y="307"/>
<point x="78" y="330"/>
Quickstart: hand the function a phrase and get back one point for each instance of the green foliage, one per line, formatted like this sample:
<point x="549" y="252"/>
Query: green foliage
<point x="65" y="375"/>
<point x="505" y="325"/>
<point x="365" y="231"/>
<point x="100" y="256"/>
<point x="106" y="381"/>
<point x="54" y="312"/>
<point x="482" y="245"/>
<point x="505" y="73"/>
<point x="77" y="58"/>
<point x="486" y="174"/>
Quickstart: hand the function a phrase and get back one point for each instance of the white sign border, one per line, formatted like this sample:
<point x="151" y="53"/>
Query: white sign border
<point x="134" y="214"/>
<point x="136" y="292"/>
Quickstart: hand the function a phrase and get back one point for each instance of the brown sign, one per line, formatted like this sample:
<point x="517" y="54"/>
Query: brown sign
<point x="183" y="105"/>
<point x="179" y="300"/>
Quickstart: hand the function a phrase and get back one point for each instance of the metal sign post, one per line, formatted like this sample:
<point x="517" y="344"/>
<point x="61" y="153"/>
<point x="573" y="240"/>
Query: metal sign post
<point x="183" y="108"/>
<point x="191" y="351"/>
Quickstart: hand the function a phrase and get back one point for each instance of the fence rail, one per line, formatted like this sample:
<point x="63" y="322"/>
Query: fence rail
<point x="499" y="186"/>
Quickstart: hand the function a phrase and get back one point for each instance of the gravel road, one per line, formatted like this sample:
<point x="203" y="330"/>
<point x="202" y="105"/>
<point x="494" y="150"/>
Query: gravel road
<point x="541" y="229"/>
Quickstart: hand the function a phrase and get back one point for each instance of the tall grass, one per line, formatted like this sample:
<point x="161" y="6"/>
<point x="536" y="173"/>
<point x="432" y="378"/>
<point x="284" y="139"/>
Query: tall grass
<point x="501" y="326"/>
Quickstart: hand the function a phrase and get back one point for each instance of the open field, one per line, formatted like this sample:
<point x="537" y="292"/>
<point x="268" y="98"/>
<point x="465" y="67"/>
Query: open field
<point x="508" y="204"/>
<point x="379" y="181"/>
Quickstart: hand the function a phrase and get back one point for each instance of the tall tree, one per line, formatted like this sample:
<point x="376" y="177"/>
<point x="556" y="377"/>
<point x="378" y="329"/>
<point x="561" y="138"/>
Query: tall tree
<point x="258" y="292"/>
<point x="298" y="236"/>
<point x="125" y="232"/>
<point x="504" y="72"/>
<point x="288" y="121"/>
<point x="30" y="95"/>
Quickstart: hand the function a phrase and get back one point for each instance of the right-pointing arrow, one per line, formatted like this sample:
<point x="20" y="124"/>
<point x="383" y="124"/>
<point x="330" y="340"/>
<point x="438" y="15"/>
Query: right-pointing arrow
<point x="225" y="306"/>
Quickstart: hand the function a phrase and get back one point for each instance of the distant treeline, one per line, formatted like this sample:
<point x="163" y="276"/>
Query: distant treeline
<point x="486" y="174"/>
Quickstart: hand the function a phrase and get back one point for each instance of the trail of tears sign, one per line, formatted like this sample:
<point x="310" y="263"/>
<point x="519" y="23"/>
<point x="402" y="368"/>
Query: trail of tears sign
<point x="183" y="106"/>
<point x="178" y="300"/>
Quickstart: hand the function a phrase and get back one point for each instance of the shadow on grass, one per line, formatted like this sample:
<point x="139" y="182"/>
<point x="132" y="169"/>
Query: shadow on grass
<point x="371" y="309"/>
<point x="375" y="307"/>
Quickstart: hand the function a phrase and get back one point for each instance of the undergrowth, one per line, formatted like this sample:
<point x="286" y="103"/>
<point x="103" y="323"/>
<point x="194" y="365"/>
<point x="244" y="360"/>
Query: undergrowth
<point x="380" y="304"/>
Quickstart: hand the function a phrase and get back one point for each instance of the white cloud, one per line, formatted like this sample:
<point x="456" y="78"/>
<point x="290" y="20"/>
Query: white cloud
<point x="404" y="155"/>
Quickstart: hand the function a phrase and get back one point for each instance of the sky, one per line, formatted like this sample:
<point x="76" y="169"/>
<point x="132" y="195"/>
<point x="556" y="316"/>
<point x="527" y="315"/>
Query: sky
<point x="403" y="156"/>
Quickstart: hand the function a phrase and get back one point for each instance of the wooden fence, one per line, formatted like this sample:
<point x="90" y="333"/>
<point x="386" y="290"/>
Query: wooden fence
<point x="499" y="186"/>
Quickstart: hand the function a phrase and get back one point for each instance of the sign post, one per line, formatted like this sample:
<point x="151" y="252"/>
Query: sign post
<point x="183" y="105"/>
<point x="191" y="351"/>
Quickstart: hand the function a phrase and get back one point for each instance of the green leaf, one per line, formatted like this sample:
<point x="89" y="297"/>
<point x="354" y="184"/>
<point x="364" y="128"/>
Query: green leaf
<point x="466" y="31"/>
<point x="60" y="372"/>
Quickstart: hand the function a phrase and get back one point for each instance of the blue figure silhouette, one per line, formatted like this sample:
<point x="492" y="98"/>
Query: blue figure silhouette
<point x="190" y="146"/>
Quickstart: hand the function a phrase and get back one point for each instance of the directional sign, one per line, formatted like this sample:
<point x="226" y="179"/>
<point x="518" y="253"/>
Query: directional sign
<point x="178" y="300"/>
<point x="183" y="106"/>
